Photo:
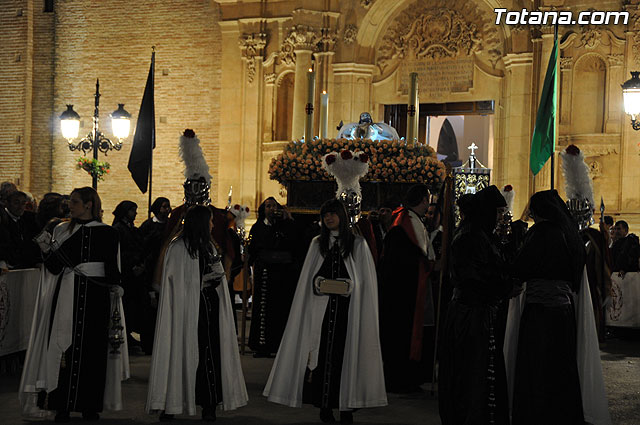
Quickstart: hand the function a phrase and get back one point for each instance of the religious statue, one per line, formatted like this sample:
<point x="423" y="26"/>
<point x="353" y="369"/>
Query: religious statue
<point x="367" y="129"/>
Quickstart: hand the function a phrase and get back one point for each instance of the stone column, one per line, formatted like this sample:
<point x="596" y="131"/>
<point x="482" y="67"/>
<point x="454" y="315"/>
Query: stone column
<point x="513" y="152"/>
<point x="252" y="47"/>
<point x="324" y="76"/>
<point x="544" y="44"/>
<point x="304" y="40"/>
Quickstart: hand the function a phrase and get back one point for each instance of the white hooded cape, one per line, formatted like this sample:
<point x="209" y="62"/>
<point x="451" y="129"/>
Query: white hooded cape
<point x="362" y="379"/>
<point x="172" y="379"/>
<point x="594" y="398"/>
<point x="48" y="343"/>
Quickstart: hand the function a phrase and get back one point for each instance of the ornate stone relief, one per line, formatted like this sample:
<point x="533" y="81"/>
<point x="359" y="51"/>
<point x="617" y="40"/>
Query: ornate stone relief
<point x="327" y="40"/>
<point x="591" y="37"/>
<point x="439" y="29"/>
<point x="616" y="60"/>
<point x="270" y="78"/>
<point x="300" y="37"/>
<point x="350" y="34"/>
<point x="595" y="168"/>
<point x="635" y="28"/>
<point x="252" y="46"/>
<point x="566" y="63"/>
<point x="366" y="3"/>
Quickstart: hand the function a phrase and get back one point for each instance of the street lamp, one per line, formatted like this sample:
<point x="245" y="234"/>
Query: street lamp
<point x="631" y="95"/>
<point x="96" y="141"/>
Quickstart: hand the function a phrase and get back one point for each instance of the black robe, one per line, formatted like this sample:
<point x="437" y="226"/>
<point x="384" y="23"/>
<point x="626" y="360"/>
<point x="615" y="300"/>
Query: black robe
<point x="83" y="370"/>
<point x="272" y="251"/>
<point x="17" y="248"/>
<point x="472" y="381"/>
<point x="208" y="373"/>
<point x="625" y="253"/>
<point x="547" y="385"/>
<point x="131" y="255"/>
<point x="398" y="287"/>
<point x="152" y="235"/>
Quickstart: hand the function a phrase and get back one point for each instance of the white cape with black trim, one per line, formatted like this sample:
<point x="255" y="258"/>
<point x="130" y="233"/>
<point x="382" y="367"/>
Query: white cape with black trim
<point x="362" y="379"/>
<point x="172" y="380"/>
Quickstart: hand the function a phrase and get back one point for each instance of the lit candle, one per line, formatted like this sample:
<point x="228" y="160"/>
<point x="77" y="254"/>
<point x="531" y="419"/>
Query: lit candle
<point x="311" y="85"/>
<point x="324" y="112"/>
<point x="412" y="109"/>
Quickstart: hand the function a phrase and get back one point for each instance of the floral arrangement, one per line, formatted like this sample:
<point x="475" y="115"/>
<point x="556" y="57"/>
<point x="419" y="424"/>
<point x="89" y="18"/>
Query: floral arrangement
<point x="389" y="161"/>
<point x="93" y="167"/>
<point x="348" y="168"/>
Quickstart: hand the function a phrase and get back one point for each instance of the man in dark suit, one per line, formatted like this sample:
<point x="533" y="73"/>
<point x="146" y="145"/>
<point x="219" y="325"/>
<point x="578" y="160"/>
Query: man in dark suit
<point x="17" y="229"/>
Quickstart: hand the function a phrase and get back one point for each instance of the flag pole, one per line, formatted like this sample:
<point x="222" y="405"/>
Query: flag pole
<point x="555" y="120"/>
<point x="153" y="65"/>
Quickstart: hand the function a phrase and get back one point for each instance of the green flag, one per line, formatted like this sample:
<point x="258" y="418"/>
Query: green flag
<point x="544" y="134"/>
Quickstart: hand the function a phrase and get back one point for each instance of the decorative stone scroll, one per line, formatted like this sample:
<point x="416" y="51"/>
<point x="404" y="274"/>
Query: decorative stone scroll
<point x="439" y="30"/>
<point x="252" y="46"/>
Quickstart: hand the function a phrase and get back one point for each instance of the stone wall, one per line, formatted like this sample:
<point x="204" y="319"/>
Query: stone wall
<point x="61" y="56"/>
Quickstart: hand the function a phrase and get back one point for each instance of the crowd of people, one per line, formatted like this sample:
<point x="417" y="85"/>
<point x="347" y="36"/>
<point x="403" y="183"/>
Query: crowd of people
<point x="350" y="312"/>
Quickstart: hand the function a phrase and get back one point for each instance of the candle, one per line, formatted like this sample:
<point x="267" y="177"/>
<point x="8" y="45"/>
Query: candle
<point x="324" y="112"/>
<point x="412" y="109"/>
<point x="311" y="85"/>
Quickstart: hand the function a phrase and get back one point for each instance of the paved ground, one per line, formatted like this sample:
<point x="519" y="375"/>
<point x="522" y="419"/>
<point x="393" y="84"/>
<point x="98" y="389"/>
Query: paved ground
<point x="621" y="365"/>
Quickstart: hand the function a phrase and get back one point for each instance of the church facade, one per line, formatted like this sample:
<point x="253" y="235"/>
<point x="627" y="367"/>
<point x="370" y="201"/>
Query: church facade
<point x="236" y="73"/>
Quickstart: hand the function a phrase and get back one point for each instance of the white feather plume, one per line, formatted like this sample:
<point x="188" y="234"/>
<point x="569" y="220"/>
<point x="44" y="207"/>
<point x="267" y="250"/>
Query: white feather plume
<point x="508" y="195"/>
<point x="347" y="172"/>
<point x="241" y="212"/>
<point x="576" y="175"/>
<point x="195" y="166"/>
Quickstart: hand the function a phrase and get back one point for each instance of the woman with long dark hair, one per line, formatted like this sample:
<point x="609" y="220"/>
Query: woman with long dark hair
<point x="195" y="357"/>
<point x="66" y="365"/>
<point x="330" y="352"/>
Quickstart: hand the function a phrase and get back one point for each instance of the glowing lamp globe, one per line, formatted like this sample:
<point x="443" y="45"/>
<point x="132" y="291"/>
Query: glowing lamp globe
<point x="70" y="123"/>
<point x="121" y="122"/>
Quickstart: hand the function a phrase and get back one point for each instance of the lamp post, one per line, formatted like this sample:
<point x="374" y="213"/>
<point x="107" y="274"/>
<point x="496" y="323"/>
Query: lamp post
<point x="631" y="96"/>
<point x="95" y="140"/>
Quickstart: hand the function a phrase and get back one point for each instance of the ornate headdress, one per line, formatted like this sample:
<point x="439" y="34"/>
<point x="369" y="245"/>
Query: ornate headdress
<point x="578" y="186"/>
<point x="348" y="167"/>
<point x="196" y="170"/>
<point x="240" y="212"/>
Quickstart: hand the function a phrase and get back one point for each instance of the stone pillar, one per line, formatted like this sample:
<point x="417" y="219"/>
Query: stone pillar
<point x="304" y="40"/>
<point x="252" y="47"/>
<point x="543" y="46"/>
<point x="269" y="107"/>
<point x="353" y="85"/>
<point x="513" y="156"/>
<point x="324" y="76"/>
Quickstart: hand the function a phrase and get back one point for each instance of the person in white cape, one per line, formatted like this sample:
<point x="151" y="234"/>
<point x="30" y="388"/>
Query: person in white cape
<point x="195" y="355"/>
<point x="70" y="365"/>
<point x="330" y="352"/>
